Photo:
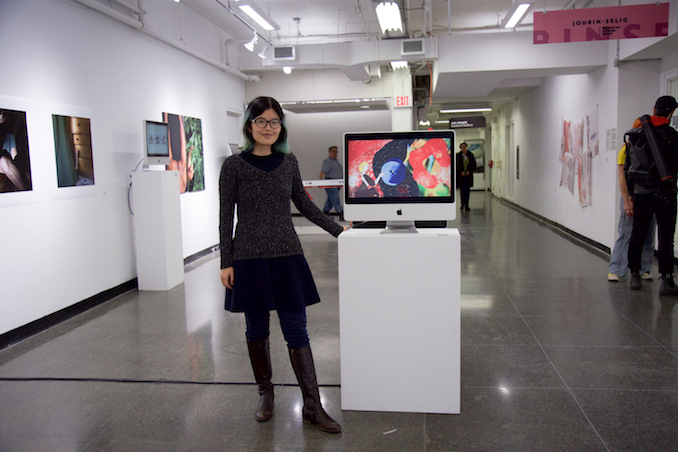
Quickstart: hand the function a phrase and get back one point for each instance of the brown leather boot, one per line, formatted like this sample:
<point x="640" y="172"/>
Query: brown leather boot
<point x="260" y="357"/>
<point x="313" y="412"/>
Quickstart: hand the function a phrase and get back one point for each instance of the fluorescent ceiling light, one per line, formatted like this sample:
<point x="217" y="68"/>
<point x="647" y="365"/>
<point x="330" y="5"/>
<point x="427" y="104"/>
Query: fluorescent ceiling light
<point x="250" y="45"/>
<point x="259" y="17"/>
<point x="335" y="105"/>
<point x="516" y="14"/>
<point x="395" y="65"/>
<point x="466" y="110"/>
<point x="388" y="14"/>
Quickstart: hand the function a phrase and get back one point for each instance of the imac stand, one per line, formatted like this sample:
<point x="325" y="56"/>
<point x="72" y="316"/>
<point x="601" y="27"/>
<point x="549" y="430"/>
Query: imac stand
<point x="400" y="321"/>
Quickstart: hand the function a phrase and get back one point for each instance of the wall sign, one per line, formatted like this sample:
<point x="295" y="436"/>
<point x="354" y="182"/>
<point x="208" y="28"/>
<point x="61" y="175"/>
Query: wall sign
<point x="467" y="122"/>
<point x="403" y="101"/>
<point x="599" y="24"/>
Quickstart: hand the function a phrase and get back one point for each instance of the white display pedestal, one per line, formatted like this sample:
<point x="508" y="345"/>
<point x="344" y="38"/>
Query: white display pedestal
<point x="157" y="225"/>
<point x="399" y="296"/>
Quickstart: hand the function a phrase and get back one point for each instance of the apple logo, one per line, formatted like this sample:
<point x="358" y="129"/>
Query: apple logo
<point x="399" y="211"/>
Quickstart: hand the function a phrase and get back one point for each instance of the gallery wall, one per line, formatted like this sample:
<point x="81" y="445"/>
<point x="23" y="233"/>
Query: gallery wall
<point x="620" y="94"/>
<point x="63" y="245"/>
<point x="537" y="118"/>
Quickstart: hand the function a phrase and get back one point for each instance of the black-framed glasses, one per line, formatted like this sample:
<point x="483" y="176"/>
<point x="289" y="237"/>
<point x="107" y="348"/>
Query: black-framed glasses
<point x="261" y="123"/>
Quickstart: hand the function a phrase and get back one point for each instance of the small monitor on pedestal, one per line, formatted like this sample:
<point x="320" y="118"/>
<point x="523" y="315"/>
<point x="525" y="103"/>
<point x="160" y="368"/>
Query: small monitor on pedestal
<point x="156" y="147"/>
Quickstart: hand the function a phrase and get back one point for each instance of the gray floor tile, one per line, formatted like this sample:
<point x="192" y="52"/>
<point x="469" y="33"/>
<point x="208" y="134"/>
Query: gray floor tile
<point x="639" y="368"/>
<point x="508" y="367"/>
<point x="501" y="419"/>
<point x="638" y="421"/>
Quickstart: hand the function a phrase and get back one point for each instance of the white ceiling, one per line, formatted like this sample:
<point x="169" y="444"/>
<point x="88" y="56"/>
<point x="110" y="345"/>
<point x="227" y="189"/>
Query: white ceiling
<point x="323" y="21"/>
<point x="332" y="21"/>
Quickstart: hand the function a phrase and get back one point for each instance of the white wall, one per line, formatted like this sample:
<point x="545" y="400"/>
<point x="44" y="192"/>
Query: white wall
<point x="537" y="118"/>
<point x="622" y="94"/>
<point x="60" y="246"/>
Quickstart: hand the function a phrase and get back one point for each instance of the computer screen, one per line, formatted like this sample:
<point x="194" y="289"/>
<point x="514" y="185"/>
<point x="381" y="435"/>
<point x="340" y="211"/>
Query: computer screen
<point x="406" y="176"/>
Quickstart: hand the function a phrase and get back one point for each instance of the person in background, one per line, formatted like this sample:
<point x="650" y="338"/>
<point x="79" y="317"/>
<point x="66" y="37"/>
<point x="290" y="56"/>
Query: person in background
<point x="466" y="165"/>
<point x="619" y="259"/>
<point x="263" y="265"/>
<point x="332" y="169"/>
<point x="658" y="199"/>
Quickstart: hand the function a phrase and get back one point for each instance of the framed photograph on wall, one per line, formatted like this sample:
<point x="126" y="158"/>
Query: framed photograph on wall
<point x="73" y="151"/>
<point x="186" y="151"/>
<point x="15" y="165"/>
<point x="477" y="147"/>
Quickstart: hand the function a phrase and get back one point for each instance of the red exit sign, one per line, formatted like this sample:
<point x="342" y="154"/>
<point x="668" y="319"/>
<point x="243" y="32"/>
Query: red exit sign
<point x="403" y="101"/>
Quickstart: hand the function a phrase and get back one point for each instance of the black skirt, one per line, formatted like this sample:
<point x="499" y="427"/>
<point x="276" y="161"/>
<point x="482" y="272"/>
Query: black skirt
<point x="281" y="283"/>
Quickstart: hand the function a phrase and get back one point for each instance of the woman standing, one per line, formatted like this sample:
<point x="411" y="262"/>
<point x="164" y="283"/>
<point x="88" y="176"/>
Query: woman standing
<point x="263" y="266"/>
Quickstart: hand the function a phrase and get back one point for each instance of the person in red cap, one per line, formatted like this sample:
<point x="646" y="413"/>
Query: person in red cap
<point x="658" y="198"/>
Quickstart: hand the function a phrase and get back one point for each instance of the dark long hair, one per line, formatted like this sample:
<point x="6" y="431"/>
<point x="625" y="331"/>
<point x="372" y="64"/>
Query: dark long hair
<point x="254" y="110"/>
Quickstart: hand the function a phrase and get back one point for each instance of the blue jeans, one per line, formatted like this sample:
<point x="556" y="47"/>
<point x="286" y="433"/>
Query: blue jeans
<point x="333" y="200"/>
<point x="293" y="324"/>
<point x="619" y="261"/>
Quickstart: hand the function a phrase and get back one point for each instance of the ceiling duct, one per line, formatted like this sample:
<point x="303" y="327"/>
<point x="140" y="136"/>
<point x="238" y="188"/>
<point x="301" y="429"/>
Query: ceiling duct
<point x="284" y="53"/>
<point x="412" y="47"/>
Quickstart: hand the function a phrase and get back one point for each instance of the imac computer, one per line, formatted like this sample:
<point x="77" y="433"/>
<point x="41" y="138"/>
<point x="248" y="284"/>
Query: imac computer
<point x="156" y="148"/>
<point x="399" y="177"/>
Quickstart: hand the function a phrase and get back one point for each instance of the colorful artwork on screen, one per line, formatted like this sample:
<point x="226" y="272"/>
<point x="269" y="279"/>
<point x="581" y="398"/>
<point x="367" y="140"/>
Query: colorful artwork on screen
<point x="399" y="168"/>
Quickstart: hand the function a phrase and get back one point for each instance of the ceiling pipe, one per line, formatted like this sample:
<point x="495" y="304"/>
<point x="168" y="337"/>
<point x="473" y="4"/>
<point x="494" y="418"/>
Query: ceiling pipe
<point x="143" y="27"/>
<point x="128" y="6"/>
<point x="449" y="18"/>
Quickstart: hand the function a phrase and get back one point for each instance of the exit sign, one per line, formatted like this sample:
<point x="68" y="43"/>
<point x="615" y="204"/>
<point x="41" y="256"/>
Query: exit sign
<point x="403" y="101"/>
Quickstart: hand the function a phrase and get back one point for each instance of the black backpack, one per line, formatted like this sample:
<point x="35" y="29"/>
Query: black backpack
<point x="644" y="166"/>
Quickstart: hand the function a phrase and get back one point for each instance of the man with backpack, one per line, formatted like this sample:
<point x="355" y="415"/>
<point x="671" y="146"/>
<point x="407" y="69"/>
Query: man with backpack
<point x="651" y="177"/>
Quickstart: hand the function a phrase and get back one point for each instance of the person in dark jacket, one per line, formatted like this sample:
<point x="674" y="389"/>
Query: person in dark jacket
<point x="658" y="198"/>
<point x="466" y="165"/>
<point x="262" y="265"/>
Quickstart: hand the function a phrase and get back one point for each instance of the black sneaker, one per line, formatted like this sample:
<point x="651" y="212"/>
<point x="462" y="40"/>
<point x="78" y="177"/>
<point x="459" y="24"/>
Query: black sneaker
<point x="668" y="287"/>
<point x="634" y="281"/>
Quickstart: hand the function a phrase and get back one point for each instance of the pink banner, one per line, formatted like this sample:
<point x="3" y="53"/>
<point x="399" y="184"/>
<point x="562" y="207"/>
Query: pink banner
<point x="598" y="24"/>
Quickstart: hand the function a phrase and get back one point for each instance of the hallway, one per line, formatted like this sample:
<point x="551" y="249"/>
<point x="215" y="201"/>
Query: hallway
<point x="554" y="358"/>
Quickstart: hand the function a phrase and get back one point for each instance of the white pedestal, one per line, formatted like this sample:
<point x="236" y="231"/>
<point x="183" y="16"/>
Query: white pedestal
<point x="400" y="320"/>
<point x="157" y="225"/>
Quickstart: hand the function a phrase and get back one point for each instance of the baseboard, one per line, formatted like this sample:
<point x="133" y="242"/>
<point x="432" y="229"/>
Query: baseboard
<point x="35" y="327"/>
<point x="596" y="247"/>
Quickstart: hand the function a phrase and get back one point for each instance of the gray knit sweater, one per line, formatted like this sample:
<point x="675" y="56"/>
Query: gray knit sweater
<point x="264" y="228"/>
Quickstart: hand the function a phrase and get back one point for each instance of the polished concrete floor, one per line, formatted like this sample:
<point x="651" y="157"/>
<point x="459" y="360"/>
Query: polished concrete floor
<point x="554" y="358"/>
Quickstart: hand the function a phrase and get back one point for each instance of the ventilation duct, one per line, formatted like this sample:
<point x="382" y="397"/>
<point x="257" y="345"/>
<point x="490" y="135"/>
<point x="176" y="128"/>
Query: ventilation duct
<point x="412" y="47"/>
<point x="284" y="53"/>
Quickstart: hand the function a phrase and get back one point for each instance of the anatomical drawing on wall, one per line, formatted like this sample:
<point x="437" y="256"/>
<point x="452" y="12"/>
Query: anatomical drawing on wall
<point x="592" y="132"/>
